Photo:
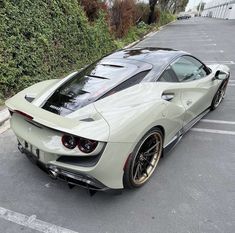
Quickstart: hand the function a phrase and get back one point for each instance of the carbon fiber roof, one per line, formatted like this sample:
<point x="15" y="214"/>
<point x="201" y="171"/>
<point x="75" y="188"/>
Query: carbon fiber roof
<point x="158" y="57"/>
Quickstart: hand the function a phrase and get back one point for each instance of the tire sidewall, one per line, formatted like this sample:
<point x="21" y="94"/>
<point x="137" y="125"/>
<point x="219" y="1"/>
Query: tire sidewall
<point x="127" y="177"/>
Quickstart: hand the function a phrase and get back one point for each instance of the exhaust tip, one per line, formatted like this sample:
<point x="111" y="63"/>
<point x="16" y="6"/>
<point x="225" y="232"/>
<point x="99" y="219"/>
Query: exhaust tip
<point x="20" y="147"/>
<point x="53" y="174"/>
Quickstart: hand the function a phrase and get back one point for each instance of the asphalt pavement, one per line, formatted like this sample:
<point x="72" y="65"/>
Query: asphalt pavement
<point x="192" y="190"/>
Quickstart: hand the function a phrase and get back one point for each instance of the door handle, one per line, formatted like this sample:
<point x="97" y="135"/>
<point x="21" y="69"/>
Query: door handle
<point x="168" y="96"/>
<point x="189" y="102"/>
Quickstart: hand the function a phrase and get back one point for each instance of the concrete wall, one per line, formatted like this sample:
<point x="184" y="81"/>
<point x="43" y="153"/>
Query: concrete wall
<point x="222" y="9"/>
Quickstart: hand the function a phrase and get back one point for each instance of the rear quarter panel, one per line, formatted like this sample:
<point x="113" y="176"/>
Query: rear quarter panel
<point x="133" y="112"/>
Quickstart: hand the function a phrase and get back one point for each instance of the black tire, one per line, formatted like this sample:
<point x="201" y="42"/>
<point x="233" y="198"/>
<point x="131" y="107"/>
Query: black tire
<point x="219" y="95"/>
<point x="143" y="161"/>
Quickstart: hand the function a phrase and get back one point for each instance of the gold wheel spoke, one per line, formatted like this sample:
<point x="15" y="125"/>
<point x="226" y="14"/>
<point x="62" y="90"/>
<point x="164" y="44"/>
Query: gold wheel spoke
<point x="137" y="170"/>
<point x="149" y="154"/>
<point x="157" y="143"/>
<point x="149" y="163"/>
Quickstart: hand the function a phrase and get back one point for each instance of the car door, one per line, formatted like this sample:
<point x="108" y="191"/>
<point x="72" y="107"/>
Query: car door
<point x="171" y="93"/>
<point x="196" y="85"/>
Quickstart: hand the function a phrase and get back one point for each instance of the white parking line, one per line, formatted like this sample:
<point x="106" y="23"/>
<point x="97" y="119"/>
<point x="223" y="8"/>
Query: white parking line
<point x="209" y="50"/>
<point x="32" y="222"/>
<point x="209" y="44"/>
<point x="218" y="121"/>
<point x="223" y="62"/>
<point x="215" y="131"/>
<point x="173" y="41"/>
<point x="201" y="37"/>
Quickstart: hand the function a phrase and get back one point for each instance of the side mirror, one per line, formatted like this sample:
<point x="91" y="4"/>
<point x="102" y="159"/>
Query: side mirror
<point x="221" y="75"/>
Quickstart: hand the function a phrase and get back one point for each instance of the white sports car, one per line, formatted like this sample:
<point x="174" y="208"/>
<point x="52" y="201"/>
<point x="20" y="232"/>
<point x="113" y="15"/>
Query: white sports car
<point x="106" y="127"/>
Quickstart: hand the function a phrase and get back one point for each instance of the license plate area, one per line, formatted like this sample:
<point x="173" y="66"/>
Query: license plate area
<point x="34" y="152"/>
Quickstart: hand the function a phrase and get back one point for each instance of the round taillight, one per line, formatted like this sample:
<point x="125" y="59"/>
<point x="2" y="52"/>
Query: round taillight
<point x="87" y="145"/>
<point x="69" y="141"/>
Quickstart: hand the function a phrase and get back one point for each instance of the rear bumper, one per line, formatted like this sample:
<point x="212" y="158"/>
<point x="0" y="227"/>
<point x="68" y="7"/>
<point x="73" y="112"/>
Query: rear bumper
<point x="106" y="166"/>
<point x="70" y="177"/>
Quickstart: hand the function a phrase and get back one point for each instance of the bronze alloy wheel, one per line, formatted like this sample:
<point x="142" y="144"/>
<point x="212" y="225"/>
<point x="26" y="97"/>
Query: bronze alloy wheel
<point x="220" y="94"/>
<point x="144" y="159"/>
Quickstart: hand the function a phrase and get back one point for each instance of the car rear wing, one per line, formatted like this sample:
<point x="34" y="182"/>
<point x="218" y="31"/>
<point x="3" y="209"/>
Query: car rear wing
<point x="74" y="124"/>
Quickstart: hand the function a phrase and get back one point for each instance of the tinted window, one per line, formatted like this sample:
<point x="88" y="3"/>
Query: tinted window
<point x="96" y="78"/>
<point x="90" y="84"/>
<point x="168" y="76"/>
<point x="188" y="69"/>
<point x="128" y="83"/>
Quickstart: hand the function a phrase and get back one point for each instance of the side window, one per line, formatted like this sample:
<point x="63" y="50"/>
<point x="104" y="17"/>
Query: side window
<point x="128" y="83"/>
<point x="168" y="76"/>
<point x="188" y="69"/>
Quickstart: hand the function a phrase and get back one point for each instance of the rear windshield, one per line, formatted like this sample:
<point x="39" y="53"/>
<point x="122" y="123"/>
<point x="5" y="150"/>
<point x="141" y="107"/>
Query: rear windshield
<point x="91" y="84"/>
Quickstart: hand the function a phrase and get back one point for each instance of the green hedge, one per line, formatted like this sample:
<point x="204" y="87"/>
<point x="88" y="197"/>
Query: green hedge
<point x="137" y="32"/>
<point x="165" y="18"/>
<point x="46" y="39"/>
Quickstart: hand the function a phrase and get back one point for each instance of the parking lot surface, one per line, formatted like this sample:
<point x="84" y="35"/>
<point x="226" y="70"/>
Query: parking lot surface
<point x="192" y="190"/>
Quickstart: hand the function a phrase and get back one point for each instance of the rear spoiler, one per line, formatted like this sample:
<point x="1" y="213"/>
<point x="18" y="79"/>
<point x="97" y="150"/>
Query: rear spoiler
<point x="97" y="129"/>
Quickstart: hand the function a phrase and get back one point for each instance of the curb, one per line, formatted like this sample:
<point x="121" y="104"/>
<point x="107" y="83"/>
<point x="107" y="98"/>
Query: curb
<point x="4" y="116"/>
<point x="5" y="126"/>
<point x="147" y="35"/>
<point x="160" y="28"/>
<point x="137" y="41"/>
